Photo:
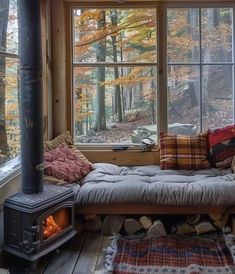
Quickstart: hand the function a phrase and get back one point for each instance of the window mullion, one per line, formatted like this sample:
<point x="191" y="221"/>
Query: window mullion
<point x="162" y="112"/>
<point x="200" y="69"/>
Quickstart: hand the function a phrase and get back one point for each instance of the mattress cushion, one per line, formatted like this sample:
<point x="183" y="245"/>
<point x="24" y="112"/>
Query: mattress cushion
<point x="109" y="183"/>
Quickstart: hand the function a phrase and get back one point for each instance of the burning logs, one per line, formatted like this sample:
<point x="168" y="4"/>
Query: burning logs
<point x="50" y="227"/>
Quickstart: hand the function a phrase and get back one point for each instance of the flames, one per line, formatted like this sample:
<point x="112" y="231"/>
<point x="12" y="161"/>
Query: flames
<point x="50" y="227"/>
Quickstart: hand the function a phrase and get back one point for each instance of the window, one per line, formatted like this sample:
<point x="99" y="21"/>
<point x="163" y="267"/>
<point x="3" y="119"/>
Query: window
<point x="9" y="88"/>
<point x="200" y="67"/>
<point x="114" y="74"/>
<point x="116" y="71"/>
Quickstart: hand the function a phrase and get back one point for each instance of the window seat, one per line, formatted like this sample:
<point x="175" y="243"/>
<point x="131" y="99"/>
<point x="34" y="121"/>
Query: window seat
<point x="111" y="189"/>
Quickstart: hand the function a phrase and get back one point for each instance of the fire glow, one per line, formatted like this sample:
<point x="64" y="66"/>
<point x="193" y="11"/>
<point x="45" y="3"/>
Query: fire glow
<point x="50" y="227"/>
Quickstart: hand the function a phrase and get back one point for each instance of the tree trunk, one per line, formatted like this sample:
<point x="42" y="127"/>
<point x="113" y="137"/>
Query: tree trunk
<point x="100" y="123"/>
<point x="4" y="10"/>
<point x="118" y="101"/>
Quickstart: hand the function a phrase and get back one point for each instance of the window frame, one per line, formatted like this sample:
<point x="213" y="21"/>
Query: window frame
<point x="11" y="168"/>
<point x="162" y="63"/>
<point x="200" y="63"/>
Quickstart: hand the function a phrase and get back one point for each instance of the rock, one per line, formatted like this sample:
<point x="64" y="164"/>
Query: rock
<point x="90" y="139"/>
<point x="112" y="224"/>
<point x="132" y="226"/>
<point x="89" y="216"/>
<point x="146" y="222"/>
<point x="156" y="230"/>
<point x="184" y="228"/>
<point x="93" y="225"/>
<point x="182" y="129"/>
<point x="204" y="227"/>
<point x="151" y="131"/>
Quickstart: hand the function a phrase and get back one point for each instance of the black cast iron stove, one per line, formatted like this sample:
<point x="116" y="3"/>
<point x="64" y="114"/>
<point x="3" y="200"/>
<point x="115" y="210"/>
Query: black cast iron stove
<point x="35" y="224"/>
<point x="40" y="218"/>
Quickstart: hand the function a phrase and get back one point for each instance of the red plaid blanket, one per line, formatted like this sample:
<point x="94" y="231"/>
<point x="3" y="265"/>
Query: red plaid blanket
<point x="172" y="255"/>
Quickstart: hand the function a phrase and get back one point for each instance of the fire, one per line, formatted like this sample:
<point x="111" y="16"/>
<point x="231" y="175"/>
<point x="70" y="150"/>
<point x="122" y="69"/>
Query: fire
<point x="50" y="227"/>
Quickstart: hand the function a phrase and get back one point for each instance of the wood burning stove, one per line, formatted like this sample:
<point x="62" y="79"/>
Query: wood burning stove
<point x="40" y="218"/>
<point x="35" y="224"/>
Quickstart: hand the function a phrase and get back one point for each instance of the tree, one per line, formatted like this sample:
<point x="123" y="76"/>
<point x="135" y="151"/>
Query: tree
<point x="117" y="93"/>
<point x="100" y="122"/>
<point x="4" y="11"/>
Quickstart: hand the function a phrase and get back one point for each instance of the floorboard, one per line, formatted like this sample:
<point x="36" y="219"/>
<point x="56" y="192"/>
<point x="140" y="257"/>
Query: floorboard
<point x="65" y="261"/>
<point x="87" y="260"/>
<point x="100" y="265"/>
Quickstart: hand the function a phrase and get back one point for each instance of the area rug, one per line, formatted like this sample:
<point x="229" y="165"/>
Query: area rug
<point x="191" y="255"/>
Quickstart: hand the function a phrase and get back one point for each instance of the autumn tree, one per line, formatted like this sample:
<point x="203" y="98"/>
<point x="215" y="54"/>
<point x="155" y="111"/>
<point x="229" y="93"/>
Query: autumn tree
<point x="4" y="11"/>
<point x="100" y="123"/>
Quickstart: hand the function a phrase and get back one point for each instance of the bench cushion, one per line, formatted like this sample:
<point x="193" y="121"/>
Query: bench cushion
<point x="108" y="183"/>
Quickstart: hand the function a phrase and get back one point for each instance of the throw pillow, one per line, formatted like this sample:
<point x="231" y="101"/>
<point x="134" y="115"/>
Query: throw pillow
<point x="63" y="138"/>
<point x="183" y="152"/>
<point x="222" y="146"/>
<point x="63" y="163"/>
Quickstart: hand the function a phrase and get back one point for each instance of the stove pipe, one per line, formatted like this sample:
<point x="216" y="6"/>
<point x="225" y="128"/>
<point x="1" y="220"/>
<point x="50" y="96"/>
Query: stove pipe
<point x="30" y="96"/>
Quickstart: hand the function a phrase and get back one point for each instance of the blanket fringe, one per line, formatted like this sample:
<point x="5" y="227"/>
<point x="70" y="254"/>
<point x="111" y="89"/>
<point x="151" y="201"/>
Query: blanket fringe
<point x="111" y="252"/>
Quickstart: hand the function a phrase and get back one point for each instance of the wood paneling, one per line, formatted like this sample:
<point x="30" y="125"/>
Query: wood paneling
<point x="58" y="67"/>
<point x="46" y="71"/>
<point x="126" y="157"/>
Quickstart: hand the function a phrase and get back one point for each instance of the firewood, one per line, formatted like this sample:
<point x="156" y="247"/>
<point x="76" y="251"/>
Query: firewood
<point x="204" y="227"/>
<point x="193" y="219"/>
<point x="112" y="224"/>
<point x="89" y="216"/>
<point x="132" y="226"/>
<point x="221" y="222"/>
<point x="184" y="228"/>
<point x="215" y="216"/>
<point x="93" y="225"/>
<point x="157" y="229"/>
<point x="146" y="222"/>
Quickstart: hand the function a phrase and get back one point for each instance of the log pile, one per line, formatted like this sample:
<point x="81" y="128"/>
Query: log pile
<point x="153" y="226"/>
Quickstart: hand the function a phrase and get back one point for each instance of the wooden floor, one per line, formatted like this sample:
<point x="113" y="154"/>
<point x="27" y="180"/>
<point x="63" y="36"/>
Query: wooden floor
<point x="82" y="255"/>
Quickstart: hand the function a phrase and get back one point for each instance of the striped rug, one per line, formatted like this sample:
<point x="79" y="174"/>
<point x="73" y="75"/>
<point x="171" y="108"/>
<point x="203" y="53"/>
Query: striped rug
<point x="172" y="255"/>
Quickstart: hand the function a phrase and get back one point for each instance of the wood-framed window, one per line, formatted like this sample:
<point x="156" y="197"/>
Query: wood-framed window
<point x="9" y="88"/>
<point x="182" y="53"/>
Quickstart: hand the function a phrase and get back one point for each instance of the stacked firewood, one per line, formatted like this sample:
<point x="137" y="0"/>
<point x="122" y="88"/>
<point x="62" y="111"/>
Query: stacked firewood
<point x="153" y="226"/>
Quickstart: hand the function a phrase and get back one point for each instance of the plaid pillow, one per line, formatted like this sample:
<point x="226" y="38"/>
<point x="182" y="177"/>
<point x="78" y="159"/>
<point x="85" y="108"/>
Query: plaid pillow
<point x="222" y="146"/>
<point x="183" y="152"/>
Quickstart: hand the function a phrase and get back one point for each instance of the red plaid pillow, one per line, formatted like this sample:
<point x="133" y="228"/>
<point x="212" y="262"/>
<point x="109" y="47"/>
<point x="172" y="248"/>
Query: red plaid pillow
<point x="222" y="146"/>
<point x="63" y="163"/>
<point x="183" y="152"/>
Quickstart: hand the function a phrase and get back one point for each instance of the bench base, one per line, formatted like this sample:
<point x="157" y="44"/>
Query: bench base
<point x="151" y="209"/>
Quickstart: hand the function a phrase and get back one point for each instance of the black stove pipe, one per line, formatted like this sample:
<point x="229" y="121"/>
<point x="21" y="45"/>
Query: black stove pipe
<point x="30" y="96"/>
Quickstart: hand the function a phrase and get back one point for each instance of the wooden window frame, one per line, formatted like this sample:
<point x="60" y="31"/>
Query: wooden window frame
<point x="161" y="6"/>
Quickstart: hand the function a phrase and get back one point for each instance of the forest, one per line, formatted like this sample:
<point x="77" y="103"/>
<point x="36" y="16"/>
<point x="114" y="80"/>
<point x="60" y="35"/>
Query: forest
<point x="115" y="72"/>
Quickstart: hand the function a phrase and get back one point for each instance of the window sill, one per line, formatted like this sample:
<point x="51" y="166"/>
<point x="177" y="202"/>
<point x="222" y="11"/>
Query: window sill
<point x="9" y="170"/>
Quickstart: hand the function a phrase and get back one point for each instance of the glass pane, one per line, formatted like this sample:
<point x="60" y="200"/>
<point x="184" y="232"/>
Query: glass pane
<point x="217" y="94"/>
<point x="183" y="35"/>
<point x="9" y="27"/>
<point x="9" y="109"/>
<point x="217" y="34"/>
<point x="114" y="35"/>
<point x="114" y="104"/>
<point x="183" y="100"/>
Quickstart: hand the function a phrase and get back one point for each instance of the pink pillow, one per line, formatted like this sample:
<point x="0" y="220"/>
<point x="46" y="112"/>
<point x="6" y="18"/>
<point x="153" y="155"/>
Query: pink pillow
<point x="63" y="163"/>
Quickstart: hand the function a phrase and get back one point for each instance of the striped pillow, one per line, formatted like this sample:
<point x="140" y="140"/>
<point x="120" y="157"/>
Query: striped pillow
<point x="183" y="152"/>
